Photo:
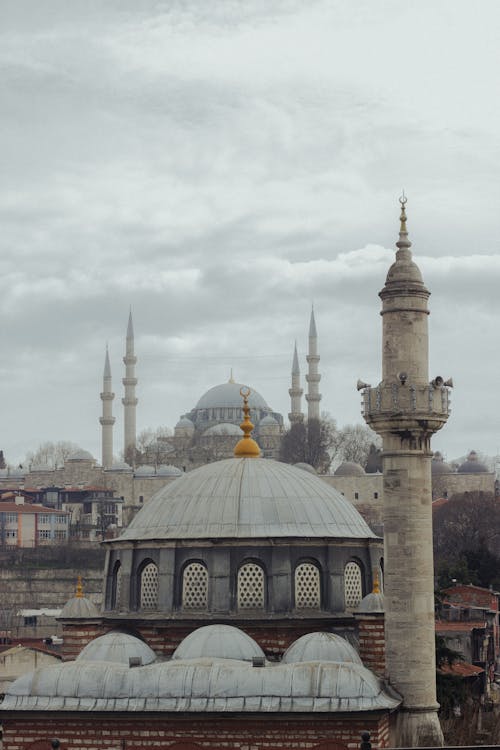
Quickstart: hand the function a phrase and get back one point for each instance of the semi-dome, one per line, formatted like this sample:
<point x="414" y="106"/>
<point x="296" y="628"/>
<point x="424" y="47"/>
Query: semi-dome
<point x="224" y="428"/>
<point x="439" y="465"/>
<point x="227" y="395"/>
<point x="472" y="465"/>
<point x="168" y="470"/>
<point x="269" y="421"/>
<point x="350" y="469"/>
<point x="247" y="498"/>
<point x="119" y="648"/>
<point x="321" y="647"/>
<point x="184" y="423"/>
<point x="81" y="455"/>
<point x="220" y="642"/>
<point x="145" y="471"/>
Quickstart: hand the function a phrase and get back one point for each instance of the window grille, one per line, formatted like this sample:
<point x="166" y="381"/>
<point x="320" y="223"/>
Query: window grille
<point x="353" y="590"/>
<point x="307" y="586"/>
<point x="250" y="587"/>
<point x="195" y="586"/>
<point x="149" y="586"/>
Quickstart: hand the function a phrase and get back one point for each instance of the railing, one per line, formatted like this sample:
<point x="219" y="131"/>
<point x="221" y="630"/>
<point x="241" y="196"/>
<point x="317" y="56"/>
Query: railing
<point x="366" y="744"/>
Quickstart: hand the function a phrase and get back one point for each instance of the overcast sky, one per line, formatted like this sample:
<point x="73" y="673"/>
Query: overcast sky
<point x="219" y="166"/>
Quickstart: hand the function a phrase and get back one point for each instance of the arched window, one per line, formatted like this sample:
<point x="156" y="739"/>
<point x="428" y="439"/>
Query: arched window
<point x="116" y="586"/>
<point x="353" y="588"/>
<point x="195" y="586"/>
<point x="149" y="586"/>
<point x="307" y="586"/>
<point x="251" y="593"/>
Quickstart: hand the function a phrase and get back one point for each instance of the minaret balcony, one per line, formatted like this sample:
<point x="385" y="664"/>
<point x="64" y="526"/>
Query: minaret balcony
<point x="107" y="396"/>
<point x="395" y="403"/>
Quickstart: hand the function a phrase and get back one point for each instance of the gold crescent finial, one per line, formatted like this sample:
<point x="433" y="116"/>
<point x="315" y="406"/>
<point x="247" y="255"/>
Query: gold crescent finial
<point x="79" y="588"/>
<point x="246" y="447"/>
<point x="403" y="199"/>
<point x="376" y="583"/>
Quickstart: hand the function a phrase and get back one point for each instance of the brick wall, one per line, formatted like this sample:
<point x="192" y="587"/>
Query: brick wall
<point x="206" y="732"/>
<point x="372" y="641"/>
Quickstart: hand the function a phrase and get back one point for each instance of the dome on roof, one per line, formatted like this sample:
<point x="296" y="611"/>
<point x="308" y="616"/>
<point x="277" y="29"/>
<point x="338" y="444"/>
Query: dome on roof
<point x="119" y="648"/>
<point x="350" y="469"/>
<point x="224" y="428"/>
<point x="306" y="467"/>
<point x="321" y="647"/>
<point x="247" y="498"/>
<point x="81" y="455"/>
<point x="472" y="465"/>
<point x="185" y="424"/>
<point x="268" y="421"/>
<point x="228" y="395"/>
<point x="373" y="602"/>
<point x="439" y="465"/>
<point x="167" y="470"/>
<point x="218" y="641"/>
<point x="79" y="606"/>
<point x="145" y="471"/>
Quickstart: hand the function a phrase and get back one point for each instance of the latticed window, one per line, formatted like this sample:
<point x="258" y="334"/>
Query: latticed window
<point x="116" y="587"/>
<point x="149" y="586"/>
<point x="353" y="590"/>
<point x="250" y="586"/>
<point x="307" y="586"/>
<point x="195" y="586"/>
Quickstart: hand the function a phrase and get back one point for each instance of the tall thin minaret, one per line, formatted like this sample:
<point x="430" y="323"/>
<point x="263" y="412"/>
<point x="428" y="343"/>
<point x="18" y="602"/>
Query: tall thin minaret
<point x="129" y="401"/>
<point x="295" y="391"/>
<point x="313" y="396"/>
<point x="406" y="410"/>
<point x="107" y="420"/>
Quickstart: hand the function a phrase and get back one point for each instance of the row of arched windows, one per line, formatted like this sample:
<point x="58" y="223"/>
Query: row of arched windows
<point x="250" y="588"/>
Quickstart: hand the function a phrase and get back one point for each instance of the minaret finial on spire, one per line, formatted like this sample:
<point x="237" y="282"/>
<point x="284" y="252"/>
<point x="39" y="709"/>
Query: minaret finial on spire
<point x="246" y="447"/>
<point x="231" y="379"/>
<point x="79" y="588"/>
<point x="403" y="243"/>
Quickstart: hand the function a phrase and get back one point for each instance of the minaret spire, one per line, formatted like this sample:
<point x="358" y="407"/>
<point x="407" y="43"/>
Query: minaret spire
<point x="107" y="420"/>
<point x="295" y="391"/>
<point x="129" y="401"/>
<point x="405" y="409"/>
<point x="313" y="396"/>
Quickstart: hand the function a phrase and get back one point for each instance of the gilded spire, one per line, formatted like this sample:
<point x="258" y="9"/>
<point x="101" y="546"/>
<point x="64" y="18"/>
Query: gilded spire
<point x="79" y="588"/>
<point x="246" y="447"/>
<point x="376" y="584"/>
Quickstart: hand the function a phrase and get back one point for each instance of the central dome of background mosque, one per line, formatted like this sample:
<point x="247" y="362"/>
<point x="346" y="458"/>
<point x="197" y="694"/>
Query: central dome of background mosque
<point x="227" y="395"/>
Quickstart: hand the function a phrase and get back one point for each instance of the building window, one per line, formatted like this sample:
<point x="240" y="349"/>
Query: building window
<point x="44" y="533"/>
<point x="116" y="586"/>
<point x="149" y="586"/>
<point x="30" y="621"/>
<point x="250" y="586"/>
<point x="11" y="534"/>
<point x="353" y="590"/>
<point x="375" y="495"/>
<point x="307" y="586"/>
<point x="11" y="517"/>
<point x="60" y="534"/>
<point x="356" y="495"/>
<point x="61" y="520"/>
<point x="44" y="518"/>
<point x="195" y="586"/>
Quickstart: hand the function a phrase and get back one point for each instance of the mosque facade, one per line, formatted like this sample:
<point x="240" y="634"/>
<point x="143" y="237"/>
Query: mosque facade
<point x="243" y="606"/>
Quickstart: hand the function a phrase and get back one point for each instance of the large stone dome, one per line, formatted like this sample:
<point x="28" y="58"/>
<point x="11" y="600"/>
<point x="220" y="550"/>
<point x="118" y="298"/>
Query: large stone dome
<point x="228" y="395"/>
<point x="247" y="498"/>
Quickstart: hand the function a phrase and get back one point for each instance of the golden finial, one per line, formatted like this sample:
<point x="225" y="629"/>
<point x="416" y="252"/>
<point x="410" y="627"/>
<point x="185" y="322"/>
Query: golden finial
<point x="246" y="447"/>
<point x="79" y="588"/>
<point x="376" y="584"/>
<point x="231" y="379"/>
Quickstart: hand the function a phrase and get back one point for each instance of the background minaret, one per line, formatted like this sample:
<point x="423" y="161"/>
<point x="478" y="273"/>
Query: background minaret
<point x="313" y="396"/>
<point x="129" y="401"/>
<point x="107" y="420"/>
<point x="295" y="391"/>
<point x="406" y="410"/>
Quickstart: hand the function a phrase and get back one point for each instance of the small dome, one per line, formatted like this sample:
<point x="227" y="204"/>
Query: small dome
<point x="79" y="606"/>
<point x="119" y="648"/>
<point x="321" y="647"/>
<point x="167" y="470"/>
<point x="306" y="467"/>
<point x="224" y="429"/>
<point x="268" y="421"/>
<point x="472" y="465"/>
<point x="373" y="602"/>
<point x="145" y="471"/>
<point x="184" y="423"/>
<point x="81" y="455"/>
<point x="219" y="642"/>
<point x="120" y="466"/>
<point x="439" y="465"/>
<point x="350" y="469"/>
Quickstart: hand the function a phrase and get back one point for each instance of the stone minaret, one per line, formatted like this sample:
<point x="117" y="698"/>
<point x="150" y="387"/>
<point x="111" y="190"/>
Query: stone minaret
<point x="295" y="391"/>
<point x="313" y="396"/>
<point x="130" y="400"/>
<point x="107" y="420"/>
<point x="405" y="409"/>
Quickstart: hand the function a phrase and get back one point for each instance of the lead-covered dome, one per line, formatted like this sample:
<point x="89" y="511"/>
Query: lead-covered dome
<point x="227" y="395"/>
<point x="321" y="647"/>
<point x="472" y="465"/>
<point x="247" y="498"/>
<point x="119" y="648"/>
<point x="220" y="642"/>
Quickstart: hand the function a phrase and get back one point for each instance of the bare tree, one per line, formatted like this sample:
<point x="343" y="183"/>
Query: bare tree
<point x="309" y="442"/>
<point x="353" y="443"/>
<point x="51" y="454"/>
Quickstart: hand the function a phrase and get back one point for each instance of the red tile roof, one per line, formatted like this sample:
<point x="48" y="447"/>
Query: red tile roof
<point x="6" y="507"/>
<point x="461" y="669"/>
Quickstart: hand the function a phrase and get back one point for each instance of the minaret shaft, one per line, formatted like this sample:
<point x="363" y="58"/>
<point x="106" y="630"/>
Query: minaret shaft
<point x="130" y="400"/>
<point x="405" y="409"/>
<point x="107" y="420"/>
<point x="313" y="396"/>
<point x="295" y="392"/>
